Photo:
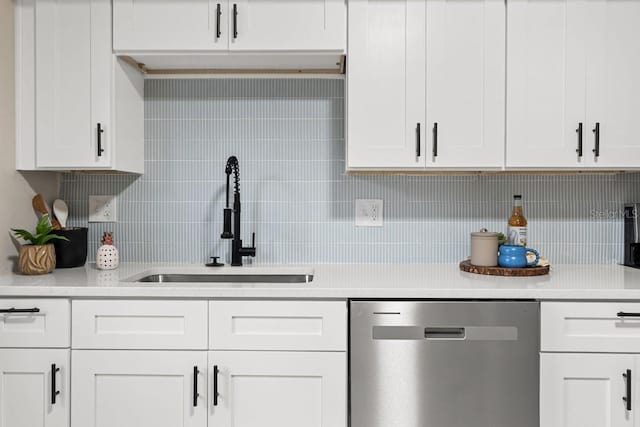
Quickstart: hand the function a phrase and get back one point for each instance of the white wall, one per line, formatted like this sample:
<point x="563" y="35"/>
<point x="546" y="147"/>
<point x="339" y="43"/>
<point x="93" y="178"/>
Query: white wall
<point x="16" y="190"/>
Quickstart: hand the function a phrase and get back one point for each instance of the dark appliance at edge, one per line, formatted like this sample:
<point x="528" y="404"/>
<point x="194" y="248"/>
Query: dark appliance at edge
<point x="632" y="235"/>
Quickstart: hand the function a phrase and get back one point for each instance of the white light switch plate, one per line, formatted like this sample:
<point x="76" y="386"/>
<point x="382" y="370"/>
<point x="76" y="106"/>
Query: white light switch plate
<point x="369" y="213"/>
<point x="102" y="209"/>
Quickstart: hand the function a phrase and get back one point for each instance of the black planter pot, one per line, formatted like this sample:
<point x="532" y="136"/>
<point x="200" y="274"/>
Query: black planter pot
<point x="74" y="252"/>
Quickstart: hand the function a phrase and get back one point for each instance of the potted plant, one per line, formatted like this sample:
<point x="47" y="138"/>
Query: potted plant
<point x="39" y="257"/>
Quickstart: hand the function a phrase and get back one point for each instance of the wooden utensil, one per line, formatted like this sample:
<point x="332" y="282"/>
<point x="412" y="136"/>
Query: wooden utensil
<point x="40" y="206"/>
<point x="61" y="212"/>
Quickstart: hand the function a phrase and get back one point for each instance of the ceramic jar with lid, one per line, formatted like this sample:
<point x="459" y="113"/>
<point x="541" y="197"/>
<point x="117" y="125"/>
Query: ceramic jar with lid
<point x="484" y="248"/>
<point x="107" y="257"/>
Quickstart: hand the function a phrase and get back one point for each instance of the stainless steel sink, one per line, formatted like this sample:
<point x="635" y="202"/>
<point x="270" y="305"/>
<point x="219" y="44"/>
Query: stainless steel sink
<point x="227" y="278"/>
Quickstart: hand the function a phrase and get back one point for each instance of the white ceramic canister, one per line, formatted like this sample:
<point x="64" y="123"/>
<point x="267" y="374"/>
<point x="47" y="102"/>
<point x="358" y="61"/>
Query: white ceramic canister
<point x="484" y="248"/>
<point x="107" y="257"/>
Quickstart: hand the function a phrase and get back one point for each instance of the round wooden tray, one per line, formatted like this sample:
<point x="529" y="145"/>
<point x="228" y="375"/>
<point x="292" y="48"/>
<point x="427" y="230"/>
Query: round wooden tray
<point x="501" y="271"/>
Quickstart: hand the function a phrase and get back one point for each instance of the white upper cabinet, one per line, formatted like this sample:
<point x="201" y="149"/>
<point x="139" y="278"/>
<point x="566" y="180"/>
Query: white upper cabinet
<point x="465" y="83"/>
<point x="572" y="71"/>
<point x="287" y="25"/>
<point x="223" y="25"/>
<point x="386" y="84"/>
<point x="77" y="106"/>
<point x="170" y="25"/>
<point x="546" y="80"/>
<point x="425" y="84"/>
<point x="613" y="100"/>
<point x="73" y="63"/>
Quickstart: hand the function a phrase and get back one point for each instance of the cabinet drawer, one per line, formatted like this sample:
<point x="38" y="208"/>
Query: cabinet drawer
<point x="278" y="325"/>
<point x="34" y="323"/>
<point x="596" y="327"/>
<point x="142" y="325"/>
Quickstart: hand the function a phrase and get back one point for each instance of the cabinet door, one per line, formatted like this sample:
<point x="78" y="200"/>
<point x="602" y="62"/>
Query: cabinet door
<point x="139" y="388"/>
<point x="152" y="25"/>
<point x="386" y="84"/>
<point x="546" y="55"/>
<point x="465" y="83"/>
<point x="287" y="25"/>
<point x="73" y="82"/>
<point x="26" y="387"/>
<point x="278" y="389"/>
<point x="612" y="73"/>
<point x="584" y="390"/>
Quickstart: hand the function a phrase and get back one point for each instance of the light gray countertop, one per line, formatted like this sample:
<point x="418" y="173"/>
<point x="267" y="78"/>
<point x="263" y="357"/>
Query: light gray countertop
<point x="336" y="281"/>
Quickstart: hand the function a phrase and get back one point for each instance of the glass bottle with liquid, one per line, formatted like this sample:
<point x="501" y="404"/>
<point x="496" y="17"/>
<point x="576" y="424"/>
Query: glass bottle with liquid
<point x="517" y="231"/>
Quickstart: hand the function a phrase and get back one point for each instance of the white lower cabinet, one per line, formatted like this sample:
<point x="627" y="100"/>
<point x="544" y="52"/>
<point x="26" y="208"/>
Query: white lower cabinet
<point x="589" y="364"/>
<point x="278" y="389"/>
<point x="585" y="390"/>
<point x="139" y="388"/>
<point x="34" y="388"/>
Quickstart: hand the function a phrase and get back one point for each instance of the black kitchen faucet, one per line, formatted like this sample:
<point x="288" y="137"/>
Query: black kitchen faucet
<point x="237" y="250"/>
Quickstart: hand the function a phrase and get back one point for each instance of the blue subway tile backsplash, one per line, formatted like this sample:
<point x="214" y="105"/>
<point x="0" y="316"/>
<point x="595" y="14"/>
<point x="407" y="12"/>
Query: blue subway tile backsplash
<point x="289" y="137"/>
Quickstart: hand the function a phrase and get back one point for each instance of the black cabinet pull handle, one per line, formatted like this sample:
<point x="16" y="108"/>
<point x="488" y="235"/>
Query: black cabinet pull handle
<point x="579" y="131"/>
<point x="418" y="153"/>
<point x="54" y="391"/>
<point x="218" y="15"/>
<point x="627" y="398"/>
<point x="625" y="314"/>
<point x="235" y="21"/>
<point x="100" y="132"/>
<point x="596" y="131"/>
<point x="20" y="310"/>
<point x="435" y="140"/>
<point x="195" y="386"/>
<point x="215" y="385"/>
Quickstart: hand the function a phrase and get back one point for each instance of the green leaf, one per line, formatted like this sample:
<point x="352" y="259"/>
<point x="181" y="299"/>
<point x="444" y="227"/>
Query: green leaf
<point x="24" y="234"/>
<point x="44" y="226"/>
<point x="43" y="233"/>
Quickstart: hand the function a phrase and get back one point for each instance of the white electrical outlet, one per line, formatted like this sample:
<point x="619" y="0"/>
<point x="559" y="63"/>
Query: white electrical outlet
<point x="369" y="213"/>
<point x="102" y="208"/>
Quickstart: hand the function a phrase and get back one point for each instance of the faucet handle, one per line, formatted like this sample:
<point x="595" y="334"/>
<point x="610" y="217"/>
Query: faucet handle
<point x="226" y="230"/>
<point x="253" y="240"/>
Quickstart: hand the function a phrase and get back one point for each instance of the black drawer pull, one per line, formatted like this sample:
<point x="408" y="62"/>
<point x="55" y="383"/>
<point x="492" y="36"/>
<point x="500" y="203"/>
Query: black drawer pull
<point x="215" y="384"/>
<point x="627" y="398"/>
<point x="235" y="21"/>
<point x="418" y="140"/>
<point x="100" y="132"/>
<point x="435" y="140"/>
<point x="218" y="15"/>
<point x="579" y="131"/>
<point x="625" y="314"/>
<point x="596" y="131"/>
<point x="195" y="386"/>
<point x="20" y="310"/>
<point x="54" y="389"/>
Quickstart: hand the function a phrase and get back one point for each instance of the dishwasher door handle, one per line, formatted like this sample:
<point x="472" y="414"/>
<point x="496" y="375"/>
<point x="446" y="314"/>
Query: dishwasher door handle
<point x="444" y="333"/>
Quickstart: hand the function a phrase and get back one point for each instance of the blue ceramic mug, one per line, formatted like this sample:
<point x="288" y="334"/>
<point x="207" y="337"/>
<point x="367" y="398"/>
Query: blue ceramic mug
<point x="515" y="256"/>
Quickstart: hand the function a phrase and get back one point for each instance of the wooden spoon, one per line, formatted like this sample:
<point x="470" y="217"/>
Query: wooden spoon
<point x="41" y="208"/>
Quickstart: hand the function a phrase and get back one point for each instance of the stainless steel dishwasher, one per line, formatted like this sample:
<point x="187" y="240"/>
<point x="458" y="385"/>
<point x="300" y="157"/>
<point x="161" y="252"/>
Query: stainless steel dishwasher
<point x="444" y="364"/>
